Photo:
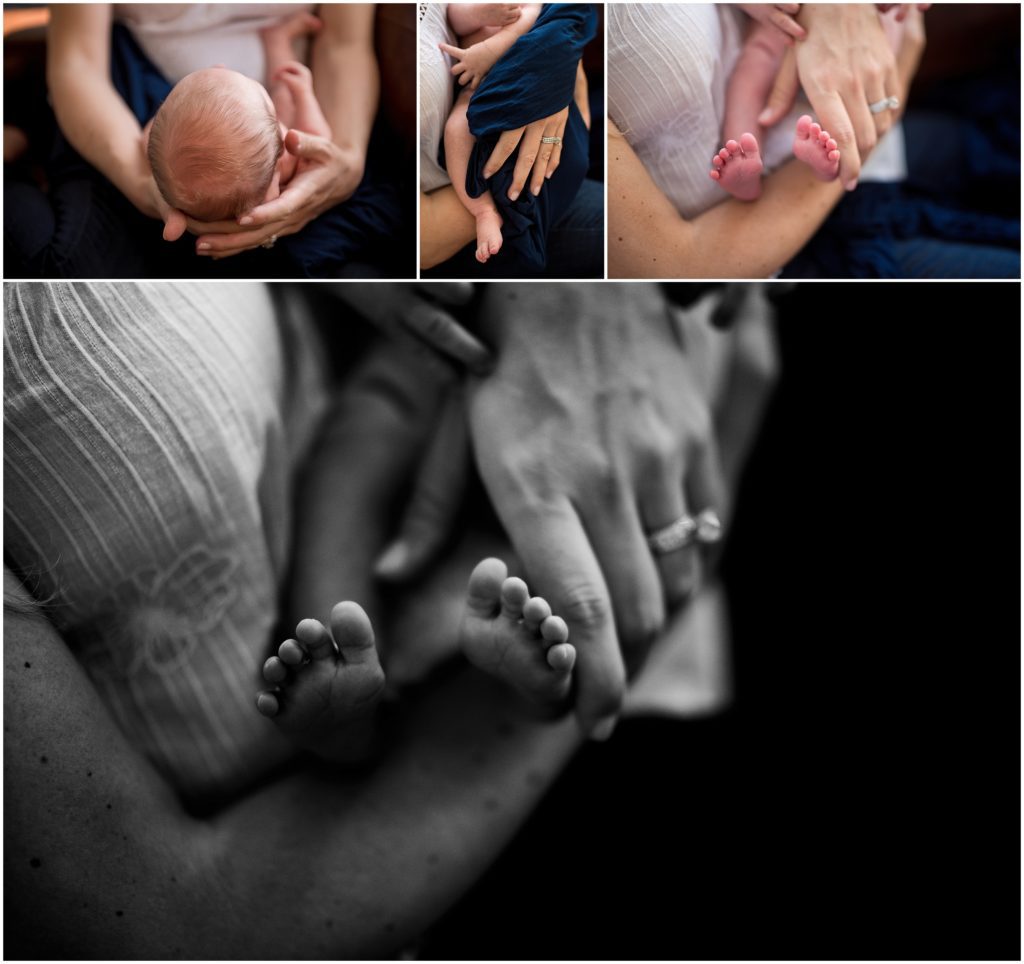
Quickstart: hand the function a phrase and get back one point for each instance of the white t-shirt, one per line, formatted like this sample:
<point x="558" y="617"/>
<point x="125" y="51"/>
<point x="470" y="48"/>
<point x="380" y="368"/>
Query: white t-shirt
<point x="182" y="37"/>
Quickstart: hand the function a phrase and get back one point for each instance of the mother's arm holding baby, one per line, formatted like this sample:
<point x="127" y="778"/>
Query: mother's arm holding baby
<point x="649" y="238"/>
<point x="90" y="112"/>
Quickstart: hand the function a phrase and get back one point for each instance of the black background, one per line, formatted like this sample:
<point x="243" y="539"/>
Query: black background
<point x="861" y="799"/>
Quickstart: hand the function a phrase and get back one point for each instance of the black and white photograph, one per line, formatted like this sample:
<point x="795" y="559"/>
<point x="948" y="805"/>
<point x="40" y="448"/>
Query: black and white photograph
<point x="504" y="621"/>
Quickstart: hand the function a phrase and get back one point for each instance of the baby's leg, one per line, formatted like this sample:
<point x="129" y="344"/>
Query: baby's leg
<point x="751" y="80"/>
<point x="306" y="113"/>
<point x="458" y="145"/>
<point x="738" y="166"/>
<point x="326" y="684"/>
<point x="515" y="638"/>
<point x="279" y="48"/>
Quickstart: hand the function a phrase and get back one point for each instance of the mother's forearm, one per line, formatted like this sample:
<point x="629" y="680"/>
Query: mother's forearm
<point x="446" y="227"/>
<point x="101" y="861"/>
<point x="90" y="112"/>
<point x="735" y="239"/>
<point x="346" y="76"/>
<point x="381" y="857"/>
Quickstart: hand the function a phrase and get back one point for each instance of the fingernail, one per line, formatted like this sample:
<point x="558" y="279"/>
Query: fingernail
<point x="392" y="561"/>
<point x="488" y="172"/>
<point x="512" y="195"/>
<point x="535" y="190"/>
<point x="245" y="220"/>
<point x="548" y="175"/>
<point x="603" y="729"/>
<point x="850" y="185"/>
<point x="203" y="246"/>
<point x="764" y="116"/>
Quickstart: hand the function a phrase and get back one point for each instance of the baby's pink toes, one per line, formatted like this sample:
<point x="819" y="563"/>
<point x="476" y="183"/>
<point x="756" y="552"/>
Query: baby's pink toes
<point x="737" y="167"/>
<point x="816" y="148"/>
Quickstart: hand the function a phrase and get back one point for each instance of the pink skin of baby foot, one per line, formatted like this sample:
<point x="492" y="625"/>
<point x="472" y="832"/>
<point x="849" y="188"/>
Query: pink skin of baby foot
<point x="816" y="148"/>
<point x="737" y="167"/>
<point x="488" y="235"/>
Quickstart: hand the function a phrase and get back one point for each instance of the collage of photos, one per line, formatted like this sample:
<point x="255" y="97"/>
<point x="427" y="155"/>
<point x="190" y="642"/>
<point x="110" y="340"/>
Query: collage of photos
<point x="511" y="481"/>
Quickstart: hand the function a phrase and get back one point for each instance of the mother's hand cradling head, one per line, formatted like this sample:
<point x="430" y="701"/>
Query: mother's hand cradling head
<point x="540" y="151"/>
<point x="326" y="175"/>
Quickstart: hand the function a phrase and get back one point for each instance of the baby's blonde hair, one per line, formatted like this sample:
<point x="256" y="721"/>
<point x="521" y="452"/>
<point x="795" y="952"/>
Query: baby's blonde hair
<point x="209" y="158"/>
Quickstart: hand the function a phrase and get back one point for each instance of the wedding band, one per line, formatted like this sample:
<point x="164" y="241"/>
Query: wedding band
<point x="551" y="140"/>
<point x="270" y="242"/>
<point x="709" y="527"/>
<point x="676" y="535"/>
<point x="886" y="103"/>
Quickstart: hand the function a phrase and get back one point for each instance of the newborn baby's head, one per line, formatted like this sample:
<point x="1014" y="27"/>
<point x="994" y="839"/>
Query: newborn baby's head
<point x="214" y="145"/>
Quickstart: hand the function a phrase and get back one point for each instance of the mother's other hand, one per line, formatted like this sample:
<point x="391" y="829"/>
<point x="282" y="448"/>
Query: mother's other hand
<point x="419" y="316"/>
<point x="326" y="175"/>
<point x="542" y="159"/>
<point x="845" y="64"/>
<point x="592" y="432"/>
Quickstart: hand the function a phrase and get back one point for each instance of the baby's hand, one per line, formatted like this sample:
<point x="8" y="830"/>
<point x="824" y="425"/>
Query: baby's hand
<point x="471" y="64"/>
<point x="778" y="15"/>
<point x="499" y="14"/>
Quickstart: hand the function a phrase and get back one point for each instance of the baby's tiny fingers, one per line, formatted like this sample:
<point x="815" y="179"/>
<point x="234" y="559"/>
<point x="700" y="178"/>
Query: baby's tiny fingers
<point x="457" y="52"/>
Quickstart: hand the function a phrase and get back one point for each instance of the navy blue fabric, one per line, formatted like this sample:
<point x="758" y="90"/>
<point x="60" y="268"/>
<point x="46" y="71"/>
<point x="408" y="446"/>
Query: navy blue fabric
<point x="575" y="246"/>
<point x="957" y="215"/>
<point x="359" y="229"/>
<point x="535" y="79"/>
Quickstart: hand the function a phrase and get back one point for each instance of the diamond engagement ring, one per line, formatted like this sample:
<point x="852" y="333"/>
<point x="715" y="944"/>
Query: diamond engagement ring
<point x="270" y="242"/>
<point x="709" y="527"/>
<point x="551" y="140"/>
<point x="886" y="103"/>
<point x="676" y="535"/>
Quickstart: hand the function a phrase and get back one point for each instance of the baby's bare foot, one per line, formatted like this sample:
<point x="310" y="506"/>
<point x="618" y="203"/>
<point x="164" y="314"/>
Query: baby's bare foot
<point x="324" y="685"/>
<point x="737" y="167"/>
<point x="488" y="234"/>
<point x="816" y="148"/>
<point x="515" y="638"/>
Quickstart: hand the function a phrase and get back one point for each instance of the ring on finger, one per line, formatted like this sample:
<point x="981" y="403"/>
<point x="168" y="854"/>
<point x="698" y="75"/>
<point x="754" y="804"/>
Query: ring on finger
<point x="676" y="535"/>
<point x="270" y="242"/>
<point x="708" y="527"/>
<point x="886" y="103"/>
<point x="551" y="140"/>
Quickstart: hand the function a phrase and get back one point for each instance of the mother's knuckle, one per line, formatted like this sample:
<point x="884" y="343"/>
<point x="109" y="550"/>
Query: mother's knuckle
<point x="640" y="624"/>
<point x="585" y="606"/>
